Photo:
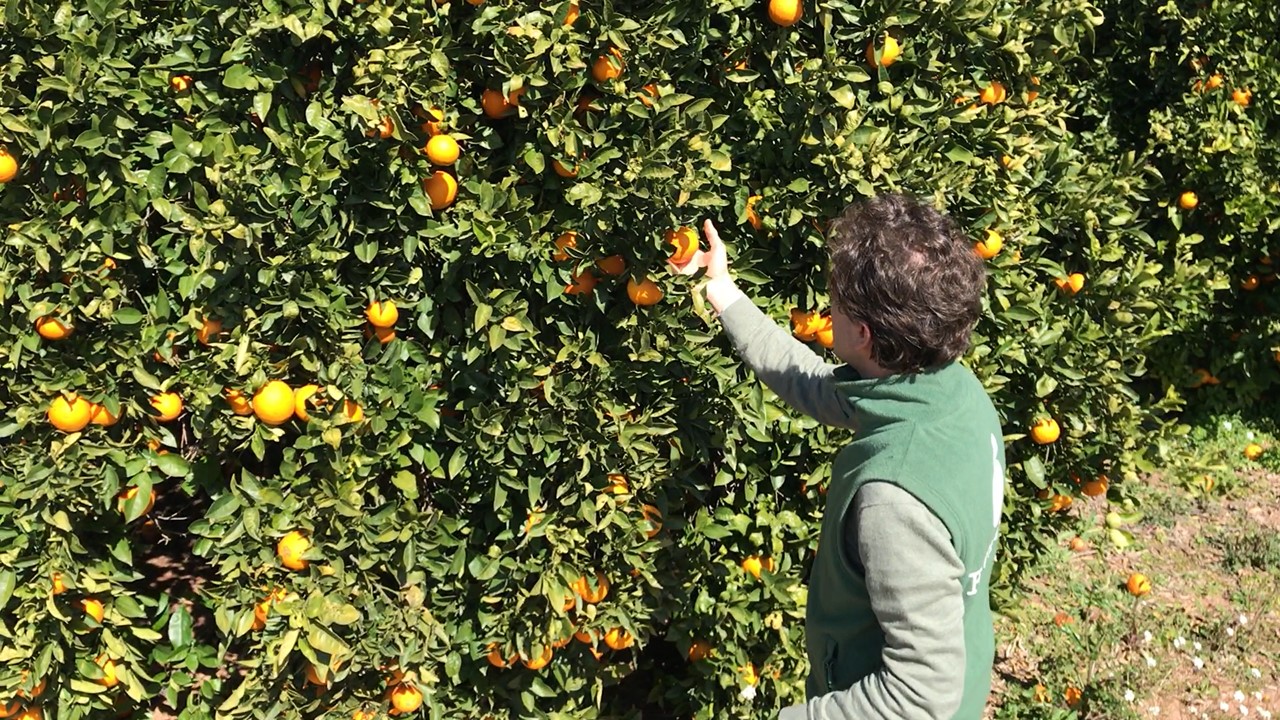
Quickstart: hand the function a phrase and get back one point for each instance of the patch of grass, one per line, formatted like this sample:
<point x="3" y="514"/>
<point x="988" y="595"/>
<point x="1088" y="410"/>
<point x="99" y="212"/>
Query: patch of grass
<point x="1252" y="548"/>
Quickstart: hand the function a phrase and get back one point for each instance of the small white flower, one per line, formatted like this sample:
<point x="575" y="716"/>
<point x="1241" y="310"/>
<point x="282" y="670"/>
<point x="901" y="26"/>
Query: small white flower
<point x="1231" y="632"/>
<point x="1255" y="672"/>
<point x="1257" y="695"/>
<point x="1154" y="710"/>
<point x="1226" y="424"/>
<point x="1264" y="714"/>
<point x="1239" y="696"/>
<point x="1243" y="711"/>
<point x="1243" y="619"/>
<point x="1179" y="641"/>
<point x="1146" y="636"/>
<point x="1198" y="663"/>
<point x="1249" y="435"/>
<point x="1129" y="696"/>
<point x="1196" y="645"/>
<point x="748" y="692"/>
<point x="1151" y="662"/>
<point x="1223" y="706"/>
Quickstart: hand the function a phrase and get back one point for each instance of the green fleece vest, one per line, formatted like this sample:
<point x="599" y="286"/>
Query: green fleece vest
<point x="937" y="436"/>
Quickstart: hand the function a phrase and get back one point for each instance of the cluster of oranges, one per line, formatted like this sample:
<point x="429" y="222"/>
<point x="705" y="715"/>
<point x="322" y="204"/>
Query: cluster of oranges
<point x="813" y="326"/>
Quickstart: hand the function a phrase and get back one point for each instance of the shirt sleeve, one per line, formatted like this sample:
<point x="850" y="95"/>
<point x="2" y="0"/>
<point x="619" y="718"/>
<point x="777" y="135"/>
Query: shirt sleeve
<point x="913" y="579"/>
<point x="787" y="366"/>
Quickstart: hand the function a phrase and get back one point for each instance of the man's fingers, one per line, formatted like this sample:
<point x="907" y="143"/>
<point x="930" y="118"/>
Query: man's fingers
<point x="713" y="236"/>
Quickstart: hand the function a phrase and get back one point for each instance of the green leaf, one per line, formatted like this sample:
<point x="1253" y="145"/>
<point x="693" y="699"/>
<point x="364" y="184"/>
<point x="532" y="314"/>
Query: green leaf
<point x="240" y="77"/>
<point x="180" y="627"/>
<point x="173" y="465"/>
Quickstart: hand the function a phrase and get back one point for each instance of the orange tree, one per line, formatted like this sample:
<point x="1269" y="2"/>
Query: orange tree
<point x="342" y="374"/>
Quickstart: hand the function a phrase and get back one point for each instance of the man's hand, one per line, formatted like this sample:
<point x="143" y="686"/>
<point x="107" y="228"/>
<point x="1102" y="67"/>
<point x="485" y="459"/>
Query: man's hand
<point x="721" y="290"/>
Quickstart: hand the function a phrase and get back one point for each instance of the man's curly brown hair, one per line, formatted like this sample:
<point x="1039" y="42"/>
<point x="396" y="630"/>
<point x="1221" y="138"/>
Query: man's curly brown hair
<point x="908" y="272"/>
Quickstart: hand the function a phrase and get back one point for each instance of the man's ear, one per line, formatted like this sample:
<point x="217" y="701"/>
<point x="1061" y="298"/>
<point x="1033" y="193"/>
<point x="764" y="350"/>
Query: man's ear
<point x="863" y="333"/>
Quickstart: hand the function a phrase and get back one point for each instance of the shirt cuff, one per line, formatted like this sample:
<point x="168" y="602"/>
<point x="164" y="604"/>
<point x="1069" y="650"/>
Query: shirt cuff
<point x="794" y="712"/>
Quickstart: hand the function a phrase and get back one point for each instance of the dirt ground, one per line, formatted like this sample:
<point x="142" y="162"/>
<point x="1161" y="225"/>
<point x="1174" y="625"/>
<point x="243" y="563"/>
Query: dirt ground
<point x="1205" y="643"/>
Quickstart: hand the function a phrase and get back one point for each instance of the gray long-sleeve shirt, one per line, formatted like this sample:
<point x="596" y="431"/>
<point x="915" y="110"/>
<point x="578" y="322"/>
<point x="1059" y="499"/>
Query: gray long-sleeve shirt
<point x="911" y="568"/>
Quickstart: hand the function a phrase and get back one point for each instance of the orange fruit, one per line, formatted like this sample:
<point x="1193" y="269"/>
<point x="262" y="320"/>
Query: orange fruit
<point x="1253" y="451"/>
<point x="1071" y="284"/>
<point x="589" y="596"/>
<point x="363" y="714"/>
<point x="563" y="171"/>
<point x="57" y="585"/>
<point x="752" y="216"/>
<point x="496" y="658"/>
<point x="648" y="94"/>
<point x="993" y="94"/>
<point x="1188" y="200"/>
<point x="313" y="676"/>
<point x="1072" y="696"/>
<point x="1045" y="431"/>
<point x="889" y="55"/>
<point x="582" y="282"/>
<point x="1060" y="503"/>
<point x="443" y="150"/>
<point x="754" y="564"/>
<point x="405" y="698"/>
<point x="990" y="247"/>
<point x="352" y="410"/>
<point x="563" y="243"/>
<point x="70" y="415"/>
<point x="300" y="397"/>
<point x="236" y="400"/>
<point x="94" y="609"/>
<point x="1215" y="81"/>
<point x="102" y="416"/>
<point x="1095" y="487"/>
<point x="1078" y="544"/>
<point x="434" y="117"/>
<point x="1138" y="585"/>
<point x="572" y="15"/>
<point x="130" y="493"/>
<point x="441" y="188"/>
<point x="209" y="330"/>
<point x="699" y="650"/>
<point x="644" y="293"/>
<point x="168" y="406"/>
<point x="653" y="516"/>
<point x="618" y="639"/>
<point x="8" y="166"/>
<point x="539" y="662"/>
<point x="685" y="242"/>
<point x="618" y="484"/>
<point x="383" y="130"/>
<point x="1250" y="283"/>
<point x="495" y="104"/>
<point x="785" y="13"/>
<point x="608" y="66"/>
<point x="1242" y="97"/>
<point x="51" y="328"/>
<point x="1035" y="91"/>
<point x="180" y="83"/>
<point x="806" y="325"/>
<point x="826" y="335"/>
<point x="273" y="403"/>
<point x="291" y="548"/>
<point x="108" y="666"/>
<point x="382" y="314"/>
<point x="613" y="265"/>
<point x="384" y="335"/>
